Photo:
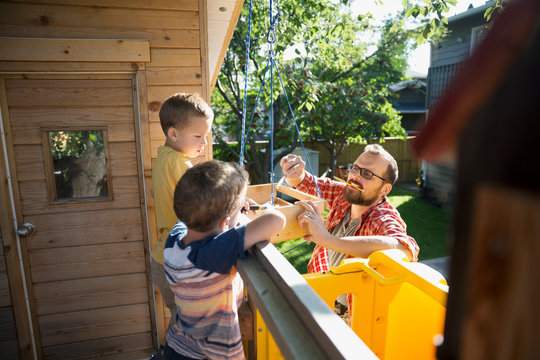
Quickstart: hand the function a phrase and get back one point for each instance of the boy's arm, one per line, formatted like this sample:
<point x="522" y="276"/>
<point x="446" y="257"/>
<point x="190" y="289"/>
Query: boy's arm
<point x="268" y="224"/>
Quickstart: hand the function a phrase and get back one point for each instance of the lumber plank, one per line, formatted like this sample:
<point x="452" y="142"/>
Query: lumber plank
<point x="84" y="294"/>
<point x="159" y="38"/>
<point x="10" y="350"/>
<point x="88" y="253"/>
<point x="27" y="123"/>
<point x="68" y="50"/>
<point x="158" y="94"/>
<point x="34" y="198"/>
<point x="94" y="324"/>
<point x="101" y="263"/>
<point x="506" y="229"/>
<point x="76" y="228"/>
<point x="189" y="75"/>
<point x="30" y="164"/>
<point x="174" y="57"/>
<point x="29" y="160"/>
<point x="123" y="159"/>
<point x="73" y="92"/>
<point x="156" y="132"/>
<point x="262" y="194"/>
<point x="96" y="17"/>
<point x="126" y="347"/>
<point x="135" y="4"/>
<point x="5" y="296"/>
<point x="63" y="288"/>
<point x="11" y="251"/>
<point x="48" y="67"/>
<point x="7" y="324"/>
<point x="31" y="135"/>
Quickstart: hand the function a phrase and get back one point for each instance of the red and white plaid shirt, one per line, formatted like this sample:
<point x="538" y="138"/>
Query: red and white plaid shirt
<point x="380" y="219"/>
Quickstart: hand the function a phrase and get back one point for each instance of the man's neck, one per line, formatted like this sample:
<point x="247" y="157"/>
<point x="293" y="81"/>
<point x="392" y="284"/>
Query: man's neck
<point x="358" y="210"/>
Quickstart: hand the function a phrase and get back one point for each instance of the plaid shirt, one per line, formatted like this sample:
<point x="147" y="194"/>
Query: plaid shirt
<point x="380" y="219"/>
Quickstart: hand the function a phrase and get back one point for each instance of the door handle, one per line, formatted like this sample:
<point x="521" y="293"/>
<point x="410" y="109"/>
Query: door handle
<point x="26" y="229"/>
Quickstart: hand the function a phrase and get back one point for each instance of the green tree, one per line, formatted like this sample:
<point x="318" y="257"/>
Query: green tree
<point x="336" y="84"/>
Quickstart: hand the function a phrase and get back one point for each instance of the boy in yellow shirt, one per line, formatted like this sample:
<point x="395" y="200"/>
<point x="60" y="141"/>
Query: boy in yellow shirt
<point x="186" y="120"/>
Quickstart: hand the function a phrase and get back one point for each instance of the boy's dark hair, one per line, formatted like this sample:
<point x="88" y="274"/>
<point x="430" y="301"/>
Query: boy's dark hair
<point x="209" y="192"/>
<point x="178" y="108"/>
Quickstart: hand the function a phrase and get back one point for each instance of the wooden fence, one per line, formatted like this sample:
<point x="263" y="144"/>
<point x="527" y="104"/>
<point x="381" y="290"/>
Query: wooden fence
<point x="409" y="166"/>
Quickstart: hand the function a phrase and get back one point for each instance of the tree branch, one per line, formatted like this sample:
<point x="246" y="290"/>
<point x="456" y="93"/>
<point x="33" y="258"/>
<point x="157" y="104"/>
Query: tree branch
<point x="236" y="111"/>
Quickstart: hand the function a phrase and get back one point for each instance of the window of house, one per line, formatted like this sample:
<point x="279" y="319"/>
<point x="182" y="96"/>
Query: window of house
<point x="477" y="34"/>
<point x="79" y="162"/>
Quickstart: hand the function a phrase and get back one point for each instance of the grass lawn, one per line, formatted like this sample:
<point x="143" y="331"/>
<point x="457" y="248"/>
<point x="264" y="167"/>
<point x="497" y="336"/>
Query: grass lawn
<point x="426" y="223"/>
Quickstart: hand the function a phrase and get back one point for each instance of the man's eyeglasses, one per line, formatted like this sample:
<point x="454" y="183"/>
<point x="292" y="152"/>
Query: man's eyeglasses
<point x="365" y="173"/>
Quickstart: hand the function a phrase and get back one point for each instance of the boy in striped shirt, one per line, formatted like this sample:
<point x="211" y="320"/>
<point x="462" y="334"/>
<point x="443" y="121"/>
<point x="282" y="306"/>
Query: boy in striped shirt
<point x="199" y="258"/>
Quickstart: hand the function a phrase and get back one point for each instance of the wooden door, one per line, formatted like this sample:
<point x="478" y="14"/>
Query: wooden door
<point x="73" y="145"/>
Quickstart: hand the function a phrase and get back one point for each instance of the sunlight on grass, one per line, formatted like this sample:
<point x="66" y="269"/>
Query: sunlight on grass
<point x="299" y="256"/>
<point x="426" y="223"/>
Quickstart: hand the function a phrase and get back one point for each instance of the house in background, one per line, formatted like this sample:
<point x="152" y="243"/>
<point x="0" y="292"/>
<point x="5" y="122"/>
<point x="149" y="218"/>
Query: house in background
<point x="77" y="221"/>
<point x="466" y="30"/>
<point x="410" y="101"/>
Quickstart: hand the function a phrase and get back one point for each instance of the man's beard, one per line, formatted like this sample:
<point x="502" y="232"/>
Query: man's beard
<point x="356" y="197"/>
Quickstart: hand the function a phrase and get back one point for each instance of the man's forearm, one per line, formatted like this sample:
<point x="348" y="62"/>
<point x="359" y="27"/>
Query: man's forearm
<point x="363" y="246"/>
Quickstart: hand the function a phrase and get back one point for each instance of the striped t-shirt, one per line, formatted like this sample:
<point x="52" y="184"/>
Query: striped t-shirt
<point x="208" y="291"/>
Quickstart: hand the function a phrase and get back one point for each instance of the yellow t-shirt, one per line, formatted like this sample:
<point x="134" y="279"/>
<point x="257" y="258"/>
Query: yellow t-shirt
<point x="168" y="168"/>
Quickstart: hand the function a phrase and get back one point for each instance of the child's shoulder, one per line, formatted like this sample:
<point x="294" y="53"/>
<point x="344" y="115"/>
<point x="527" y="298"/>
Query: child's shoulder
<point x="219" y="252"/>
<point x="167" y="157"/>
<point x="166" y="151"/>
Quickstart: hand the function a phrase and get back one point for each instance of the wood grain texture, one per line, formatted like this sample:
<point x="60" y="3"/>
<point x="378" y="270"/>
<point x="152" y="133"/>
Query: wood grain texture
<point x="95" y="17"/>
<point x="94" y="324"/>
<point x="505" y="223"/>
<point x="84" y="294"/>
<point x="19" y="49"/>
<point x="135" y="4"/>
<point x="126" y="347"/>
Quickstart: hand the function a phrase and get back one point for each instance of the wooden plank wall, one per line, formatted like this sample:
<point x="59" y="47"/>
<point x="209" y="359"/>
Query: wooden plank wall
<point x="178" y="53"/>
<point x="87" y="259"/>
<point x="8" y="332"/>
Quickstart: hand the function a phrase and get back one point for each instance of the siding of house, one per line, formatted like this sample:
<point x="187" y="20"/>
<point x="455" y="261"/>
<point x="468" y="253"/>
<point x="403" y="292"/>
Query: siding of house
<point x="176" y="33"/>
<point x="446" y="60"/>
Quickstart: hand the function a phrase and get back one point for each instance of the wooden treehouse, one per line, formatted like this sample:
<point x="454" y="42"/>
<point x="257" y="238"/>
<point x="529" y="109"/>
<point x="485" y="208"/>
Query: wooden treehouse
<point x="95" y="71"/>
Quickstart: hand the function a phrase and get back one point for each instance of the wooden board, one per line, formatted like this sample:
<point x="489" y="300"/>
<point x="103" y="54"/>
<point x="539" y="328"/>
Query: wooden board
<point x="503" y="289"/>
<point x="262" y="194"/>
<point x="19" y="49"/>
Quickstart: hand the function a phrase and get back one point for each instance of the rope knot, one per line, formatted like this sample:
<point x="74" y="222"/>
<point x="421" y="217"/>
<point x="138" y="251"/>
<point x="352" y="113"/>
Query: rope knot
<point x="271" y="37"/>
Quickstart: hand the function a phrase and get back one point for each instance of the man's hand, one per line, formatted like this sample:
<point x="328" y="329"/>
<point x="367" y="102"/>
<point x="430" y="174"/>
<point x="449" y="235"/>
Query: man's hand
<point x="293" y="169"/>
<point x="311" y="218"/>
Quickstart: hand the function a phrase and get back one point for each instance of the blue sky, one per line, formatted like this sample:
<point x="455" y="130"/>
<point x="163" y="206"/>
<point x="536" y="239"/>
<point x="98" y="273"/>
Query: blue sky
<point x="419" y="59"/>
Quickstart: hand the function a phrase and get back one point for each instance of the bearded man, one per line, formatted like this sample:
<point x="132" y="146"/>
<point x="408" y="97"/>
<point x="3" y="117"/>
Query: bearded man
<point x="360" y="220"/>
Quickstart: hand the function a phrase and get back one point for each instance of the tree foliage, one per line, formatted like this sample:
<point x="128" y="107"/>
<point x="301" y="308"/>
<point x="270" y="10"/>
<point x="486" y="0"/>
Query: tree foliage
<point x="336" y="82"/>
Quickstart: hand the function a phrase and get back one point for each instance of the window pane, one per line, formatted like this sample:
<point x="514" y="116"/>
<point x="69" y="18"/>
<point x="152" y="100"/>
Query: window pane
<point x="80" y="164"/>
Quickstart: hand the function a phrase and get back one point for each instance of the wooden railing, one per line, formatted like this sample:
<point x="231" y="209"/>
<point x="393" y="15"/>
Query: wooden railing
<point x="302" y="325"/>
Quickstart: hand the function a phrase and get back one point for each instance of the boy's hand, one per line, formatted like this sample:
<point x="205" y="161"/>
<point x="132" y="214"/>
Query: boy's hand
<point x="247" y="204"/>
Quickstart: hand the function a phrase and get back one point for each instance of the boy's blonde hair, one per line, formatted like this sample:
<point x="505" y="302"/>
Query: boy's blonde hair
<point x="392" y="171"/>
<point x="178" y="108"/>
<point x="209" y="192"/>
